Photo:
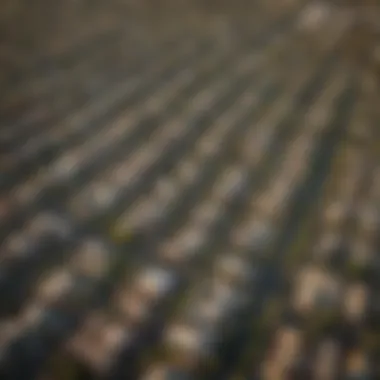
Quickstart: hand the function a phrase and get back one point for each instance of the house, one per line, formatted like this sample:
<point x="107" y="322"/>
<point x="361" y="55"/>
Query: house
<point x="355" y="302"/>
<point x="363" y="252"/>
<point x="206" y="213"/>
<point x="316" y="289"/>
<point x="155" y="282"/>
<point x="335" y="213"/>
<point x="166" y="190"/>
<point x="369" y="217"/>
<point x="165" y="372"/>
<point x="48" y="224"/>
<point x="54" y="286"/>
<point x="97" y="197"/>
<point x="132" y="306"/>
<point x="92" y="258"/>
<point x="65" y="166"/>
<point x="357" y="366"/>
<point x="232" y="268"/>
<point x="186" y="244"/>
<point x="255" y="234"/>
<point x="99" y="340"/>
<point x="232" y="181"/>
<point x="326" y="364"/>
<point x="189" y="341"/>
<point x="143" y="214"/>
<point x="186" y="172"/>
<point x="287" y="348"/>
<point x="328" y="245"/>
<point x="16" y="245"/>
<point x="136" y="298"/>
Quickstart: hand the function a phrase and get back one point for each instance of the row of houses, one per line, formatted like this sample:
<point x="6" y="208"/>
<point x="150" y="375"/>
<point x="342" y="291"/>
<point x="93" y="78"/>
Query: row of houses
<point x="152" y="238"/>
